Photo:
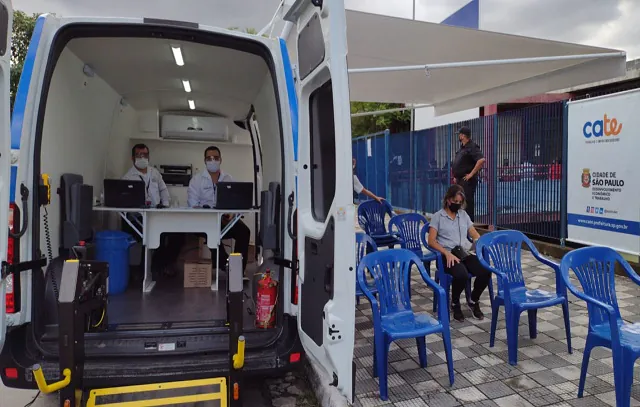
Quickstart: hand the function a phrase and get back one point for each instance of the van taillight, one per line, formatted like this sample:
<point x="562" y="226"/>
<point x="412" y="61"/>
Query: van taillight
<point x="10" y="294"/>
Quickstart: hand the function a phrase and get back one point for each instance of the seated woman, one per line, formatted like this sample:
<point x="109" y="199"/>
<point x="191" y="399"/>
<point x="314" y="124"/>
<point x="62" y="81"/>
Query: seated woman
<point x="448" y="233"/>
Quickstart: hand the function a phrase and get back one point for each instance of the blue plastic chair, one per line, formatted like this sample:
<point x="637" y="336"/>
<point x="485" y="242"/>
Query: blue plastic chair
<point x="595" y="269"/>
<point x="364" y="245"/>
<point x="371" y="217"/>
<point x="444" y="279"/>
<point x="504" y="250"/>
<point x="393" y="317"/>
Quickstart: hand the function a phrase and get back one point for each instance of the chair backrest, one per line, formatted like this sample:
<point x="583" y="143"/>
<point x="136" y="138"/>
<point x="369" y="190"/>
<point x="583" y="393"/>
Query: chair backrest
<point x="595" y="269"/>
<point x="409" y="226"/>
<point x="371" y="216"/>
<point x="364" y="245"/>
<point x="390" y="270"/>
<point x="502" y="250"/>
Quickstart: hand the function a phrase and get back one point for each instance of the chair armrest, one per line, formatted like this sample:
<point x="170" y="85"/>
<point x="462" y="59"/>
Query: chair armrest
<point x="360" y="280"/>
<point x="631" y="272"/>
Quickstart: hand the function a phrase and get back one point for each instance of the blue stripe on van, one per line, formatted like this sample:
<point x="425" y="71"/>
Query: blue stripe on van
<point x="12" y="190"/>
<point x="293" y="98"/>
<point x="20" y="103"/>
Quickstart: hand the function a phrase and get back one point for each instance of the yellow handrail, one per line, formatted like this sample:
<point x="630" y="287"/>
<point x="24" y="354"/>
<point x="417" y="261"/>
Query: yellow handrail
<point x="238" y="358"/>
<point x="53" y="387"/>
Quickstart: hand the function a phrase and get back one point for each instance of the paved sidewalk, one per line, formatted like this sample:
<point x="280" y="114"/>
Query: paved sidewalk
<point x="546" y="375"/>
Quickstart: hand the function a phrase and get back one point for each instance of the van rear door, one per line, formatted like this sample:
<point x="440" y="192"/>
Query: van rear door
<point x="6" y="25"/>
<point x="326" y="233"/>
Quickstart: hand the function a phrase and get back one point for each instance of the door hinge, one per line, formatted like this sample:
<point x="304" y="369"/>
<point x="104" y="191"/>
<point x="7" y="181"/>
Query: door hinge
<point x="8" y="269"/>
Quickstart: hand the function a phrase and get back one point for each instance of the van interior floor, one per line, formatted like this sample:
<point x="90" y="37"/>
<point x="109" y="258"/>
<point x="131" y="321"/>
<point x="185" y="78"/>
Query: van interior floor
<point x="170" y="305"/>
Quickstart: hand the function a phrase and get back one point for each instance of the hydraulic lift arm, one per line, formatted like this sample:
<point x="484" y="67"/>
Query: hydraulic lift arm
<point x="83" y="290"/>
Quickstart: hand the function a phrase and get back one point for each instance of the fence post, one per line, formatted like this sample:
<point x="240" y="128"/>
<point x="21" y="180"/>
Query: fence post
<point x="496" y="177"/>
<point x="563" y="185"/>
<point x="449" y="157"/>
<point x="387" y="189"/>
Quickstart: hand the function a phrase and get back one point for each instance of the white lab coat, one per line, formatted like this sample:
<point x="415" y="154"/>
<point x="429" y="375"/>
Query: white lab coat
<point x="156" y="190"/>
<point x="202" y="191"/>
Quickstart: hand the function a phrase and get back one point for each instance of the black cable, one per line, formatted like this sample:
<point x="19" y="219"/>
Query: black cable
<point x="24" y="192"/>
<point x="47" y="234"/>
<point x="29" y="404"/>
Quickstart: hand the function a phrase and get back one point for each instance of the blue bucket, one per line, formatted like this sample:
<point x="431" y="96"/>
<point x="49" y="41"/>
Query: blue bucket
<point x="112" y="246"/>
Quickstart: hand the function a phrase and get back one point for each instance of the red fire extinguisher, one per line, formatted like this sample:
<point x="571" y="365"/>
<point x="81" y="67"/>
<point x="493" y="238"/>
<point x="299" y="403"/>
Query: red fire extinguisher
<point x="267" y="297"/>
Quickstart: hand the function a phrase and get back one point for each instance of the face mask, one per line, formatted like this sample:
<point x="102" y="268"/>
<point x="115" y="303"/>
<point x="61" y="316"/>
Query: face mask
<point x="142" y="163"/>
<point x="213" y="166"/>
<point x="455" y="207"/>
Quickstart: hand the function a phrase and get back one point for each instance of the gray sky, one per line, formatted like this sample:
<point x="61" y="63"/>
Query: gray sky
<point x="607" y="23"/>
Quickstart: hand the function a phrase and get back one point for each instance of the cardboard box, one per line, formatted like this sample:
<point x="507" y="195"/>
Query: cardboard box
<point x="197" y="273"/>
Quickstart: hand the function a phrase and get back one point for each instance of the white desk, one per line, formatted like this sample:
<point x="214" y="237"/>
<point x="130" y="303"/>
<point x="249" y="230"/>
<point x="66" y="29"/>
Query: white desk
<point x="176" y="220"/>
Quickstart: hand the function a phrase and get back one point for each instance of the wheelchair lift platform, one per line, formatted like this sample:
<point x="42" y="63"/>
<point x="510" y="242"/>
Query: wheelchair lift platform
<point x="82" y="307"/>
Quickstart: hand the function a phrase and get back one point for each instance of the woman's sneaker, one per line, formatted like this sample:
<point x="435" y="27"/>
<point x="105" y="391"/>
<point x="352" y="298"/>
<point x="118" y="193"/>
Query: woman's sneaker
<point x="457" y="313"/>
<point x="475" y="310"/>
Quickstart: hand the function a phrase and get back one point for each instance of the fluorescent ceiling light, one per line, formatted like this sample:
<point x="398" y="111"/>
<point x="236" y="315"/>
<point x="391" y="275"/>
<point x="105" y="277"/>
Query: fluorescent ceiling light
<point x="187" y="86"/>
<point x="192" y="105"/>
<point x="177" y="55"/>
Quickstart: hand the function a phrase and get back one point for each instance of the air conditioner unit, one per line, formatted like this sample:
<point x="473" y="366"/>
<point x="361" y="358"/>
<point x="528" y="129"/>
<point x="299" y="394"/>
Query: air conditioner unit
<point x="197" y="128"/>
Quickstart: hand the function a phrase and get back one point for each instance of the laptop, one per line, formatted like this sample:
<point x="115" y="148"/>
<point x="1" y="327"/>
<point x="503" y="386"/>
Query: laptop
<point x="234" y="195"/>
<point x="120" y="193"/>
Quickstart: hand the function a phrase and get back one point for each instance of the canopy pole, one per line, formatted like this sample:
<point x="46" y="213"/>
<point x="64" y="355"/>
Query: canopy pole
<point x="397" y="109"/>
<point x="445" y="65"/>
<point x="272" y="22"/>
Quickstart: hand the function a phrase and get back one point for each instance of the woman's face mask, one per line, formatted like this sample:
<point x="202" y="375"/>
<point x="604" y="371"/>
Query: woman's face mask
<point x="455" y="206"/>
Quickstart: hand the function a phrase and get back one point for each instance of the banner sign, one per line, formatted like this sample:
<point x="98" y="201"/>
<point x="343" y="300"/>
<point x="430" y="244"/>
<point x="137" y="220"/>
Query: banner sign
<point x="603" y="172"/>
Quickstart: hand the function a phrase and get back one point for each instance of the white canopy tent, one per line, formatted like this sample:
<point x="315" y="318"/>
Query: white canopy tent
<point x="398" y="60"/>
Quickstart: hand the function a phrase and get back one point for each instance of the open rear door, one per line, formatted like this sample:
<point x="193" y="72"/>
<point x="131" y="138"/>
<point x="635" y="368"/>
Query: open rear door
<point x="6" y="23"/>
<point x="326" y="234"/>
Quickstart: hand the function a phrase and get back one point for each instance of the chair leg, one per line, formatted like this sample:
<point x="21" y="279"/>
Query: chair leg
<point x="585" y="365"/>
<point x="533" y="323"/>
<point x="383" y="362"/>
<point x="513" y="320"/>
<point x="625" y="396"/>
<point x="567" y="324"/>
<point x="446" y="338"/>
<point x="422" y="351"/>
<point x="495" y="310"/>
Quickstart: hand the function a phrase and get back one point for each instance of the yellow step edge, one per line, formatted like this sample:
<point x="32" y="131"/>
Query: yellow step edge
<point x="220" y="395"/>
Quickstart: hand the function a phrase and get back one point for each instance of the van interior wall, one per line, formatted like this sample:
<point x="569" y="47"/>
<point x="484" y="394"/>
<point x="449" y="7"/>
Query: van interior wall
<point x="80" y="114"/>
<point x="269" y="127"/>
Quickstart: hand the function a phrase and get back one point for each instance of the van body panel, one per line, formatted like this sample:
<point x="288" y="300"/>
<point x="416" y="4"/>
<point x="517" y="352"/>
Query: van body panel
<point x="6" y="26"/>
<point x="327" y="333"/>
<point x="326" y="235"/>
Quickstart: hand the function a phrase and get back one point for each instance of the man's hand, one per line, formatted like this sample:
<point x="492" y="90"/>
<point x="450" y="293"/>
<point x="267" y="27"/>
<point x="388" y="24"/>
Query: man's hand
<point x="377" y="198"/>
<point x="467" y="177"/>
<point x="451" y="259"/>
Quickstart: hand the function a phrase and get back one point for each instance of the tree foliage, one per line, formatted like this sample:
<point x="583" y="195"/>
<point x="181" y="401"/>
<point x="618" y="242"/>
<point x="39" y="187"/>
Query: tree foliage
<point x="394" y="121"/>
<point x="23" y="26"/>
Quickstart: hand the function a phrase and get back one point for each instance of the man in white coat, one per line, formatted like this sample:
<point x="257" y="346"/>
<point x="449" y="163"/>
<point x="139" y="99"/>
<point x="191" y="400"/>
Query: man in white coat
<point x="156" y="196"/>
<point x="202" y="193"/>
<point x="156" y="192"/>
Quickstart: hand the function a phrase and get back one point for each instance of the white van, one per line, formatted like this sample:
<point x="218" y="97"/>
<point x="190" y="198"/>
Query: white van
<point x="94" y="87"/>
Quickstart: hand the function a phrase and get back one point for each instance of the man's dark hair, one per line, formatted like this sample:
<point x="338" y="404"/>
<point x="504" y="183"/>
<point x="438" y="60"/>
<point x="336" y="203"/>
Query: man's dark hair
<point x="212" y="148"/>
<point x="452" y="192"/>
<point x="138" y="147"/>
<point x="465" y="130"/>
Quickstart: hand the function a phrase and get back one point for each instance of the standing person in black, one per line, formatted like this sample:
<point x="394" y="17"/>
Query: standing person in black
<point x="466" y="165"/>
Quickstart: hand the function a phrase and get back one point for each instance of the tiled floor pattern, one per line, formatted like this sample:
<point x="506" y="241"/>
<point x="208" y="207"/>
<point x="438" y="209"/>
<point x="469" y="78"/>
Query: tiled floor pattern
<point x="546" y="374"/>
